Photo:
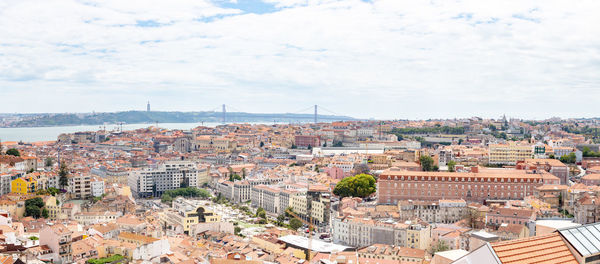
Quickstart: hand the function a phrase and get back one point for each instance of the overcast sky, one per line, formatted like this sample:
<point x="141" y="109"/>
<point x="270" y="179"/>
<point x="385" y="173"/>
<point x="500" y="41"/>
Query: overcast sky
<point x="382" y="59"/>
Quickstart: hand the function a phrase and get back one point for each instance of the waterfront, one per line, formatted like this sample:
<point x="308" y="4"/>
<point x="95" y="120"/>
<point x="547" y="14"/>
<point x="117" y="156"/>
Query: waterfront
<point x="33" y="134"/>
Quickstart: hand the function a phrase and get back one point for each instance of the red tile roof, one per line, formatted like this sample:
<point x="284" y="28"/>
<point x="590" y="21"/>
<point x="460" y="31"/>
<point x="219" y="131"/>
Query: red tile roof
<point x="539" y="249"/>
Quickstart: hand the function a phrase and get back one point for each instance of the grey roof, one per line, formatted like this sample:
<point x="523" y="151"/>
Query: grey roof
<point x="316" y="245"/>
<point x="585" y="239"/>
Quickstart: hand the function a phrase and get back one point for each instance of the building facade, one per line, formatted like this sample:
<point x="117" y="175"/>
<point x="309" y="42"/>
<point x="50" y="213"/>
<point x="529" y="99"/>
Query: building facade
<point x="489" y="184"/>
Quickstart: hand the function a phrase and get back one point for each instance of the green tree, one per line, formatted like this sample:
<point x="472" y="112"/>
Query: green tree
<point x="338" y="144"/>
<point x="570" y="159"/>
<point x="295" y="224"/>
<point x="260" y="212"/>
<point x="451" y="165"/>
<point x="13" y="152"/>
<point x="280" y="219"/>
<point x="426" y="163"/>
<point x="440" y="246"/>
<point x="33" y="211"/>
<point x="262" y="144"/>
<point x="63" y="172"/>
<point x="169" y="195"/>
<point x="237" y="230"/>
<point x="234" y="177"/>
<point x="45" y="213"/>
<point x="361" y="185"/>
<point x="35" y="202"/>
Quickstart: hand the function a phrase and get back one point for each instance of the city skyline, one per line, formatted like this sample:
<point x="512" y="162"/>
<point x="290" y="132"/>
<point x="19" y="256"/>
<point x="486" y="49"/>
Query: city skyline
<point x="365" y="59"/>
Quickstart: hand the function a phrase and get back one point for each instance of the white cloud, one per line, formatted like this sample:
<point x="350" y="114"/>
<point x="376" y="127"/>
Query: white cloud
<point x="386" y="59"/>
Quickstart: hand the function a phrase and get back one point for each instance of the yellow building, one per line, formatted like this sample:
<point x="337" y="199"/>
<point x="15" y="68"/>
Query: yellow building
<point x="418" y="236"/>
<point x="110" y="247"/>
<point x="187" y="219"/>
<point x="298" y="204"/>
<point x="53" y="207"/>
<point x="23" y="185"/>
<point x="509" y="154"/>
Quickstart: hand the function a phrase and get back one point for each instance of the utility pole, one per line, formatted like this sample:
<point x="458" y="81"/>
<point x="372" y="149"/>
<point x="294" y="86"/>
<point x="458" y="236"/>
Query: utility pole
<point x="315" y="114"/>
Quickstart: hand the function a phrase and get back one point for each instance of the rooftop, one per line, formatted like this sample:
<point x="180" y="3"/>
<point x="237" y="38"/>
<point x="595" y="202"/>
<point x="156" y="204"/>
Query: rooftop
<point x="319" y="246"/>
<point x="539" y="249"/>
<point x="585" y="239"/>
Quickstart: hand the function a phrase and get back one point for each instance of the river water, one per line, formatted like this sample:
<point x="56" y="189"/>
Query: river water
<point x="33" y="134"/>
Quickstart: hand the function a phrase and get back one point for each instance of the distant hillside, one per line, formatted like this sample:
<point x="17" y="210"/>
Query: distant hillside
<point x="141" y="117"/>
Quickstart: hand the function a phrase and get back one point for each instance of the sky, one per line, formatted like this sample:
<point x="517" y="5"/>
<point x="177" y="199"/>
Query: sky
<point x="383" y="59"/>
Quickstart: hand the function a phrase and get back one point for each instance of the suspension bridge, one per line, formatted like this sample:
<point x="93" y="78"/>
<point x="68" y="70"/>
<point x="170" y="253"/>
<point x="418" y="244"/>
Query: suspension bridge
<point x="230" y="113"/>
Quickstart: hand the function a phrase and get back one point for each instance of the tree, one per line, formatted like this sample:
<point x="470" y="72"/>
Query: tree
<point x="361" y="185"/>
<point x="166" y="199"/>
<point x="237" y="230"/>
<point x="280" y="219"/>
<point x="451" y="165"/>
<point x="460" y="141"/>
<point x="361" y="168"/>
<point x="13" y="152"/>
<point x="294" y="146"/>
<point x="295" y="224"/>
<point x="49" y="162"/>
<point x="35" y="201"/>
<point x="262" y="144"/>
<point x="440" y="246"/>
<point x="552" y="156"/>
<point x="243" y="173"/>
<point x="338" y="144"/>
<point x="33" y="207"/>
<point x="62" y="173"/>
<point x="45" y="213"/>
<point x="571" y="158"/>
<point x="32" y="211"/>
<point x="234" y="177"/>
<point x="260" y="212"/>
<point x="426" y="163"/>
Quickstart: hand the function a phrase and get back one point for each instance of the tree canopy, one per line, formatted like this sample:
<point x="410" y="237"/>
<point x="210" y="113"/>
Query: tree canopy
<point x="451" y="166"/>
<point x="295" y="223"/>
<point x="571" y="158"/>
<point x="13" y="152"/>
<point x="33" y="207"/>
<point x="361" y="185"/>
<point x="62" y="173"/>
<point x="426" y="163"/>
<point x="169" y="195"/>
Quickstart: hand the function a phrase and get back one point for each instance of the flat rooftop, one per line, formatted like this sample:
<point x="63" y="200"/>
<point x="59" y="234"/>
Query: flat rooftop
<point x="317" y="245"/>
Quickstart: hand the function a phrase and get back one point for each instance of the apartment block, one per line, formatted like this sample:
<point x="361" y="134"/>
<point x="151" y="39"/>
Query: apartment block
<point x="509" y="154"/>
<point x="169" y="175"/>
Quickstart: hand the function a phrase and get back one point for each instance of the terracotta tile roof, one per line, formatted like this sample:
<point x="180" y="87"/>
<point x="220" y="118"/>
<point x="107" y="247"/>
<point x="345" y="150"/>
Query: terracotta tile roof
<point x="539" y="249"/>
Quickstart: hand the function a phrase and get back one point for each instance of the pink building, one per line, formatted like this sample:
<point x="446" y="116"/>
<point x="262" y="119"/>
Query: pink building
<point x="518" y="216"/>
<point x="336" y="173"/>
<point x="477" y="186"/>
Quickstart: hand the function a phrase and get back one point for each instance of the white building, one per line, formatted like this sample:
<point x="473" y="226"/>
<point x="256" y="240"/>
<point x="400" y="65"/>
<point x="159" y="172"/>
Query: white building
<point x="168" y="176"/>
<point x="97" y="187"/>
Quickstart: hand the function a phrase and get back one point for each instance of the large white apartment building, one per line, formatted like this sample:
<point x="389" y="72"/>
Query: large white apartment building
<point x="169" y="175"/>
